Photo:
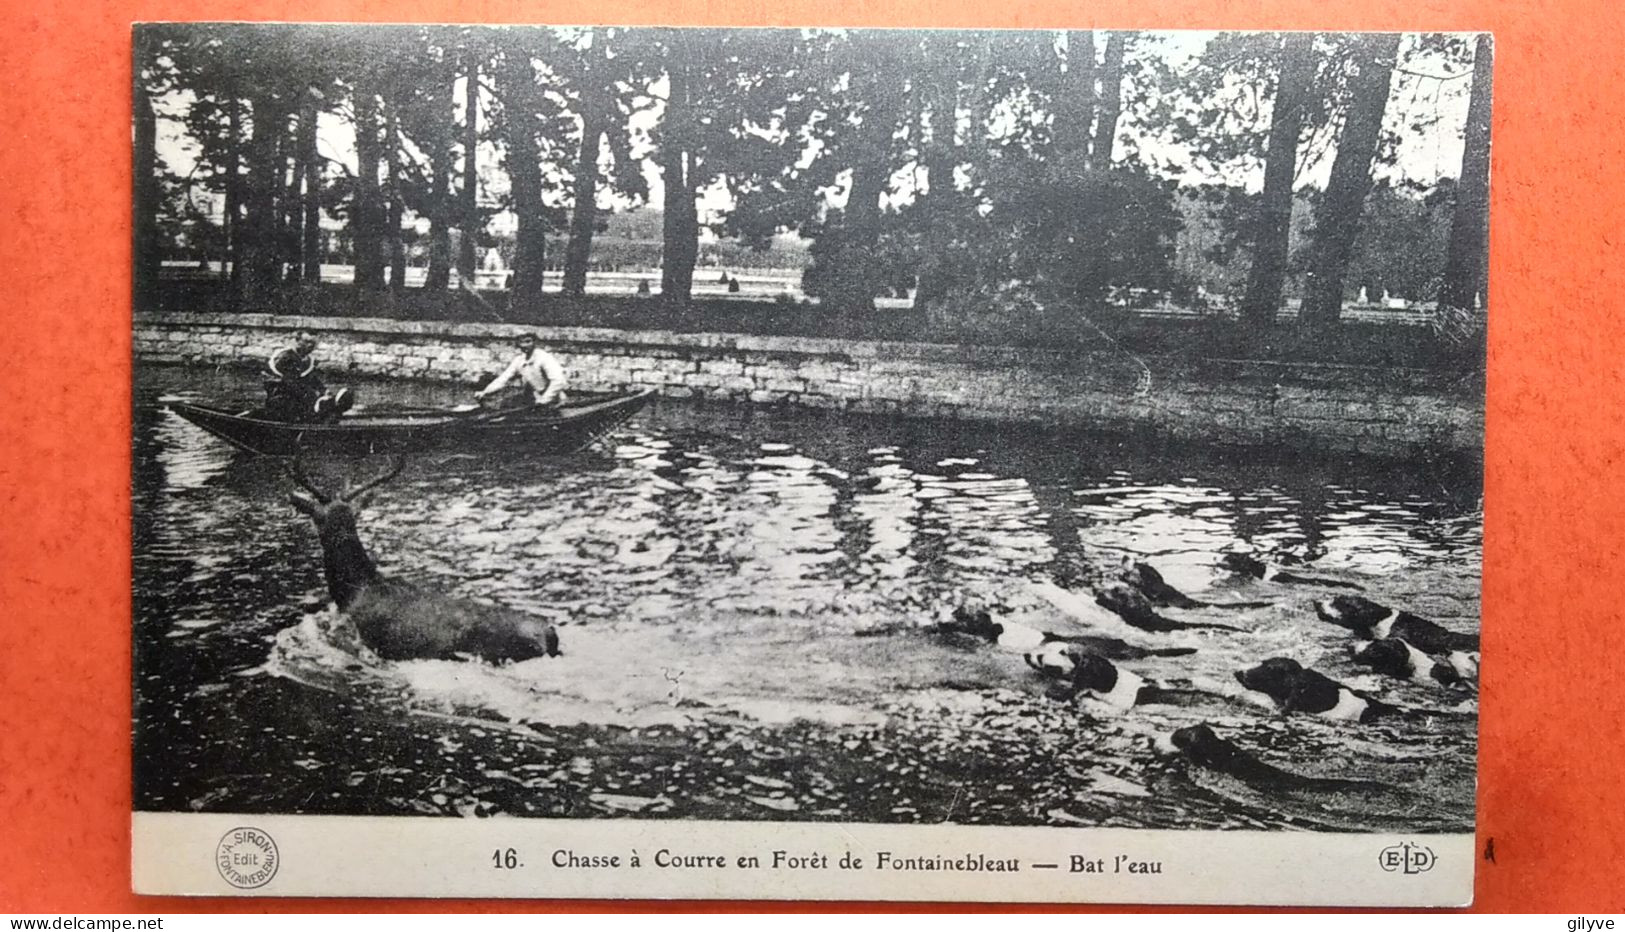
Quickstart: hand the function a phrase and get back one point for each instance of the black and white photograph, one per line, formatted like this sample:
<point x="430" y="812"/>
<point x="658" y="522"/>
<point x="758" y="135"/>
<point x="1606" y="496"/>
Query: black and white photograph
<point x="682" y="432"/>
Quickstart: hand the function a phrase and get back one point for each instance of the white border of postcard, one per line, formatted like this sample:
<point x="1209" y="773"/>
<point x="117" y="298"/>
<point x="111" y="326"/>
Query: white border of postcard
<point x="207" y="854"/>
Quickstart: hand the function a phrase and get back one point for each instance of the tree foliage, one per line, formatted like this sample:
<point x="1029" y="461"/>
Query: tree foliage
<point x="1091" y="166"/>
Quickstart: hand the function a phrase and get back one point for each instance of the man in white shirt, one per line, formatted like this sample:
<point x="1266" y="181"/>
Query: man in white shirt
<point x="541" y="378"/>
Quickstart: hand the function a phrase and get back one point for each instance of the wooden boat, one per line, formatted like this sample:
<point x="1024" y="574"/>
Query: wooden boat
<point x="557" y="430"/>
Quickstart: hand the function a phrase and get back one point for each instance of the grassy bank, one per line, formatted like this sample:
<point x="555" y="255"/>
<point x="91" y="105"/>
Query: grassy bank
<point x="1381" y="344"/>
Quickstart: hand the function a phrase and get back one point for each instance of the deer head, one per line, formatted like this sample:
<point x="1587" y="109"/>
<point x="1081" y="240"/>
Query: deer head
<point x="344" y="559"/>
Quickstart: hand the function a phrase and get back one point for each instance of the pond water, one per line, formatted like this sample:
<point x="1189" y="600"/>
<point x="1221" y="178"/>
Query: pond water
<point x="741" y="596"/>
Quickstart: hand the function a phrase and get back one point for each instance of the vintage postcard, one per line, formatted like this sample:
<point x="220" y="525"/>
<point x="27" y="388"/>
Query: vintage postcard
<point x="808" y="464"/>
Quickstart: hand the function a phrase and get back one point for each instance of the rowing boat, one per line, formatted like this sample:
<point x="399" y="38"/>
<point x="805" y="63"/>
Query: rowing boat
<point x="566" y="429"/>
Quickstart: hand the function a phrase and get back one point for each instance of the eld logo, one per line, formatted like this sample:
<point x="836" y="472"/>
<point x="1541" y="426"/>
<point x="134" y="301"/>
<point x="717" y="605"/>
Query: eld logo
<point x="1409" y="858"/>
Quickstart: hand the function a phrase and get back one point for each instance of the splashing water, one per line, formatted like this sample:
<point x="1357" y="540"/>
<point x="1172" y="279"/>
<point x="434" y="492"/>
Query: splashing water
<point x="741" y="599"/>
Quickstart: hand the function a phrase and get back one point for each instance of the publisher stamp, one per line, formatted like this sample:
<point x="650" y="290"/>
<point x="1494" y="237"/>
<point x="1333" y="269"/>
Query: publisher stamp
<point x="1407" y="858"/>
<point x="247" y="858"/>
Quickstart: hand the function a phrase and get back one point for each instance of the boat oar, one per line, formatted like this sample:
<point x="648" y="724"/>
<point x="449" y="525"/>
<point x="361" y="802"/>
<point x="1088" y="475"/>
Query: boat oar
<point x="463" y="410"/>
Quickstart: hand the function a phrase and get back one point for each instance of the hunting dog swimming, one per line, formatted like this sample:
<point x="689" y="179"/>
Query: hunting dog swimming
<point x="1131" y="605"/>
<point x="978" y="622"/>
<point x="1202" y="746"/>
<point x="1396" y="657"/>
<point x="1376" y="621"/>
<point x="1125" y="600"/>
<point x="1296" y="689"/>
<point x="1150" y="583"/>
<point x="1243" y="564"/>
<point x="1087" y="675"/>
<point x="395" y="619"/>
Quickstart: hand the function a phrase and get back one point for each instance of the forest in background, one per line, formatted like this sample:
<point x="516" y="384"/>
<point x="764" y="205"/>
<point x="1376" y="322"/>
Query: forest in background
<point x="1011" y="181"/>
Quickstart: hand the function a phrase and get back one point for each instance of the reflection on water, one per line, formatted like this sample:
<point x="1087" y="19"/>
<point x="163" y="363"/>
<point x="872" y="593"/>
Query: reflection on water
<point x="740" y="595"/>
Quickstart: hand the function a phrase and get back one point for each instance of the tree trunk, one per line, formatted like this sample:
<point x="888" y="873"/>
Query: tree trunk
<point x="979" y="96"/>
<point x="257" y="247"/>
<point x="291" y="209"/>
<point x="525" y="171"/>
<point x="861" y="226"/>
<point x="439" y="275"/>
<point x="234" y="196"/>
<point x="367" y="238"/>
<point x="1267" y="277"/>
<point x="467" y="254"/>
<point x="1075" y="110"/>
<point x="311" y="247"/>
<point x="854" y="278"/>
<point x="392" y="229"/>
<point x="1465" y="275"/>
<point x="584" y="215"/>
<point x="1093" y="281"/>
<point x="1111" y="101"/>
<point x="1337" y="221"/>
<point x="940" y="156"/>
<point x="680" y="233"/>
<point x="147" y="248"/>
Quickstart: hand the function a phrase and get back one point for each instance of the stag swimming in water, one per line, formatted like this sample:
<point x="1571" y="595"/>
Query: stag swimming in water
<point x="400" y="621"/>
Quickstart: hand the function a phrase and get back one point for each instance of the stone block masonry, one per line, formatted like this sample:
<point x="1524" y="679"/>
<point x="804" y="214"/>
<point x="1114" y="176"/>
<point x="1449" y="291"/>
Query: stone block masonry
<point x="1384" y="411"/>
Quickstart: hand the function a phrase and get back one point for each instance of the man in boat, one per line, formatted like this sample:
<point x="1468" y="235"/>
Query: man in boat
<point x="294" y="392"/>
<point x="540" y="378"/>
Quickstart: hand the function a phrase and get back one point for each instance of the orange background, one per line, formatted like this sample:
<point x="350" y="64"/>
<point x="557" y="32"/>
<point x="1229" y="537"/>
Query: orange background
<point x="1553" y="717"/>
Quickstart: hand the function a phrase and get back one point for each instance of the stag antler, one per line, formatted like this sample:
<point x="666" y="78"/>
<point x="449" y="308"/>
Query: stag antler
<point x="397" y="463"/>
<point x="298" y="471"/>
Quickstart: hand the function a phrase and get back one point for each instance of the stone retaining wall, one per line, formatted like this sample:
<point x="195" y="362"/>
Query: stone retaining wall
<point x="1368" y="409"/>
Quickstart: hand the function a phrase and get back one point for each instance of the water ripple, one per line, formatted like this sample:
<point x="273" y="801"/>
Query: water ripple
<point x="719" y="575"/>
